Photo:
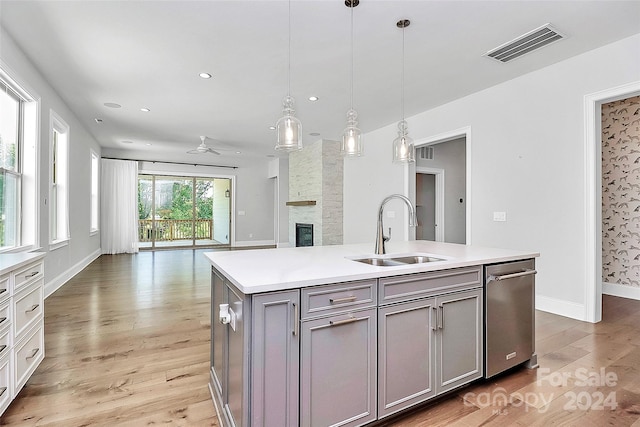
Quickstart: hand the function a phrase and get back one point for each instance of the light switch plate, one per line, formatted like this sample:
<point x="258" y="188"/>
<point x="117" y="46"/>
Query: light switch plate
<point x="499" y="216"/>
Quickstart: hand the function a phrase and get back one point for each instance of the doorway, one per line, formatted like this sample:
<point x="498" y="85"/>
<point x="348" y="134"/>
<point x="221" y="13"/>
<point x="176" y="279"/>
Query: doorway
<point x="183" y="212"/>
<point x="593" y="200"/>
<point x="442" y="205"/>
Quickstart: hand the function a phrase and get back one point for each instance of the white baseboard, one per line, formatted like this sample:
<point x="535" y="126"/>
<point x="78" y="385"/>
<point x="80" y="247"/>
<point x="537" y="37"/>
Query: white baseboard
<point x="623" y="291"/>
<point x="56" y="283"/>
<point x="254" y="243"/>
<point x="284" y="245"/>
<point x="561" y="307"/>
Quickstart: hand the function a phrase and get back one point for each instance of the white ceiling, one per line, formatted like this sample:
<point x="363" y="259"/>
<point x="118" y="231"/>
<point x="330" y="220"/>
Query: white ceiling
<point x="149" y="53"/>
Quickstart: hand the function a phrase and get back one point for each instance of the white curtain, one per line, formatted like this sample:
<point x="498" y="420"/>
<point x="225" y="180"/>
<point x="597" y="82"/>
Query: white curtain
<point x="119" y="206"/>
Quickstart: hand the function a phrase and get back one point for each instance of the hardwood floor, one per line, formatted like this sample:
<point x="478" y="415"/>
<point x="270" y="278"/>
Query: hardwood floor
<point x="127" y="343"/>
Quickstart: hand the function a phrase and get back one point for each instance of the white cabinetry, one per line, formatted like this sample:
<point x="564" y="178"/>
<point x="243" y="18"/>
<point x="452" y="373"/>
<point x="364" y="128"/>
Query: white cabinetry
<point x="21" y="321"/>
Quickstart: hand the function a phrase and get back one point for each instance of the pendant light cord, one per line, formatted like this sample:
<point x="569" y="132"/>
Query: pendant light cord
<point x="402" y="79"/>
<point x="352" y="6"/>
<point x="289" y="59"/>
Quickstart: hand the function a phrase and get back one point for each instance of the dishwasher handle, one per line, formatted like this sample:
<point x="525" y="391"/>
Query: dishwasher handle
<point x="511" y="275"/>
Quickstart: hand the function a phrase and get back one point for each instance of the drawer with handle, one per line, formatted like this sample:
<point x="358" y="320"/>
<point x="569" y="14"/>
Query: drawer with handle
<point x="4" y="287"/>
<point x="5" y="315"/>
<point x="27" y="356"/>
<point x="27" y="309"/>
<point x="28" y="274"/>
<point x="5" y="381"/>
<point x="332" y="299"/>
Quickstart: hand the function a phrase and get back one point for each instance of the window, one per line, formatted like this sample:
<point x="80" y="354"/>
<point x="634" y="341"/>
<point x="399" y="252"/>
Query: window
<point x="94" y="193"/>
<point x="10" y="176"/>
<point x="18" y="171"/>
<point x="59" y="182"/>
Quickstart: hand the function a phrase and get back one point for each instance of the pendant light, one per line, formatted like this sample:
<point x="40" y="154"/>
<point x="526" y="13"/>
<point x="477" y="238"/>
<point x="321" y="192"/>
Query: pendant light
<point x="404" y="150"/>
<point x="352" y="136"/>
<point x="289" y="128"/>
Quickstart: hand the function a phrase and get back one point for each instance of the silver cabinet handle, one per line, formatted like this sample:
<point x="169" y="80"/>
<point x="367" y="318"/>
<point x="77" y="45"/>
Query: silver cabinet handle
<point x="295" y="319"/>
<point x="28" y="276"/>
<point x="512" y="275"/>
<point x="343" y="322"/>
<point x="344" y="299"/>
<point x="2" y="291"/>
<point x="434" y="323"/>
<point x="33" y="308"/>
<point x="2" y="347"/>
<point x="2" y="319"/>
<point x="33" y="353"/>
<point x="441" y="316"/>
<point x="2" y="390"/>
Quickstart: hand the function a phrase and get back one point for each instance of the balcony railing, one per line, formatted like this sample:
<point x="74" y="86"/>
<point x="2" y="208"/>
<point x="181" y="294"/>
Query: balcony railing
<point x="174" y="229"/>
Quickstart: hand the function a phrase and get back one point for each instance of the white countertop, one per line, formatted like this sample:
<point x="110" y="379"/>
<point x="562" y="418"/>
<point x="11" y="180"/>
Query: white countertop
<point x="264" y="270"/>
<point x="10" y="262"/>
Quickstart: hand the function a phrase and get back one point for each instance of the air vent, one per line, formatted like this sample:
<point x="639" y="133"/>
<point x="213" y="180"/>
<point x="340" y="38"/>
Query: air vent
<point x="425" y="152"/>
<point x="526" y="43"/>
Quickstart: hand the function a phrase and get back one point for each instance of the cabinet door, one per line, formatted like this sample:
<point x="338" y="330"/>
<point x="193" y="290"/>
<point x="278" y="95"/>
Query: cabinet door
<point x="406" y="354"/>
<point x="459" y="339"/>
<point x="218" y="333"/>
<point x="338" y="370"/>
<point x="275" y="363"/>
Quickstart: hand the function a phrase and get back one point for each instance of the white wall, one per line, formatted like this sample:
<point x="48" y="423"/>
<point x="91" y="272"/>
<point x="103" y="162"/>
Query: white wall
<point x="527" y="159"/>
<point x="62" y="263"/>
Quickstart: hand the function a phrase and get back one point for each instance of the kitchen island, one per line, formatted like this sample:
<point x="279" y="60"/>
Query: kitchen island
<point x="334" y="335"/>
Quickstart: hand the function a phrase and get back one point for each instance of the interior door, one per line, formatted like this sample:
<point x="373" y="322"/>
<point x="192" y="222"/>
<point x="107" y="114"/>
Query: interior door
<point x="426" y="206"/>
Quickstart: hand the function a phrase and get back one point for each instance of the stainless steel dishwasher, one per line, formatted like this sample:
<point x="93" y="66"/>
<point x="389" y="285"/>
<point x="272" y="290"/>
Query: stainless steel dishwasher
<point x="509" y="316"/>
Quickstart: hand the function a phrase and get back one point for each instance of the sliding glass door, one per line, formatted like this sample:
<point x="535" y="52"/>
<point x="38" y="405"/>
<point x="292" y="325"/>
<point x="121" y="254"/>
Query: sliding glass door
<point x="179" y="211"/>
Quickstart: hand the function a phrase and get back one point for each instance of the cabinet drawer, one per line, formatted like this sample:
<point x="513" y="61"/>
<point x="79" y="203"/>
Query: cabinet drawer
<point x="5" y="343"/>
<point x="412" y="286"/>
<point x="28" y="274"/>
<point x="5" y="382"/>
<point x="28" y="355"/>
<point x="5" y="315"/>
<point x="27" y="309"/>
<point x="4" y="288"/>
<point x="331" y="299"/>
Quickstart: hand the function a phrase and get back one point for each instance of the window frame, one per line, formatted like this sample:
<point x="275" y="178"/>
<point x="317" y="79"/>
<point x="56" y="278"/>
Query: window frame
<point x="28" y="157"/>
<point x="94" y="194"/>
<point x="59" y="137"/>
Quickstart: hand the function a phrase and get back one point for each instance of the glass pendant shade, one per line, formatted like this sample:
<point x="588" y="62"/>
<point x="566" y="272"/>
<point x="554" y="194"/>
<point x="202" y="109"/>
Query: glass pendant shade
<point x="352" y="136"/>
<point x="289" y="128"/>
<point x="404" y="150"/>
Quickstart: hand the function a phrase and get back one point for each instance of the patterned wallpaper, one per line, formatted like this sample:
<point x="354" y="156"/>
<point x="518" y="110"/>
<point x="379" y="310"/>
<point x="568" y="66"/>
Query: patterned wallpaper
<point x="621" y="192"/>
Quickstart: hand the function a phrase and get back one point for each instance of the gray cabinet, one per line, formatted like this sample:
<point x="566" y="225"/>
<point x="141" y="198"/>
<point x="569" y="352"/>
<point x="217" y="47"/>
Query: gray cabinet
<point x="433" y="326"/>
<point x="406" y="348"/>
<point x="338" y="370"/>
<point x="254" y="357"/>
<point x="459" y="339"/>
<point x="275" y="364"/>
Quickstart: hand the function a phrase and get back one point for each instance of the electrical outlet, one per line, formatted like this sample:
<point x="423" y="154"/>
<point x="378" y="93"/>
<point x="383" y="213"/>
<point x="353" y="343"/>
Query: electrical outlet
<point x="500" y="216"/>
<point x="250" y="235"/>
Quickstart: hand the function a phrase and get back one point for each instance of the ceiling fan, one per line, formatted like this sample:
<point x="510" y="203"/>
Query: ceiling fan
<point x="203" y="148"/>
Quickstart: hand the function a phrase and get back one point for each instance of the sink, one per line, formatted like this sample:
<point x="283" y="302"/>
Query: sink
<point x="393" y="261"/>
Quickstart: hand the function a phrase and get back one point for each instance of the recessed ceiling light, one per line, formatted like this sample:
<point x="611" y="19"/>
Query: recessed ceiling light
<point x="272" y="128"/>
<point x="205" y="75"/>
<point x="127" y="142"/>
<point x="98" y="120"/>
<point x="270" y="155"/>
<point x="145" y="109"/>
<point x="238" y="152"/>
<point x="313" y="98"/>
<point x="112" y="105"/>
<point x="314" y="134"/>
<point x="148" y="144"/>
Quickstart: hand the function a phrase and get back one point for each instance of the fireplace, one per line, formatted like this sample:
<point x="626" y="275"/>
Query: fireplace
<point x="304" y="234"/>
